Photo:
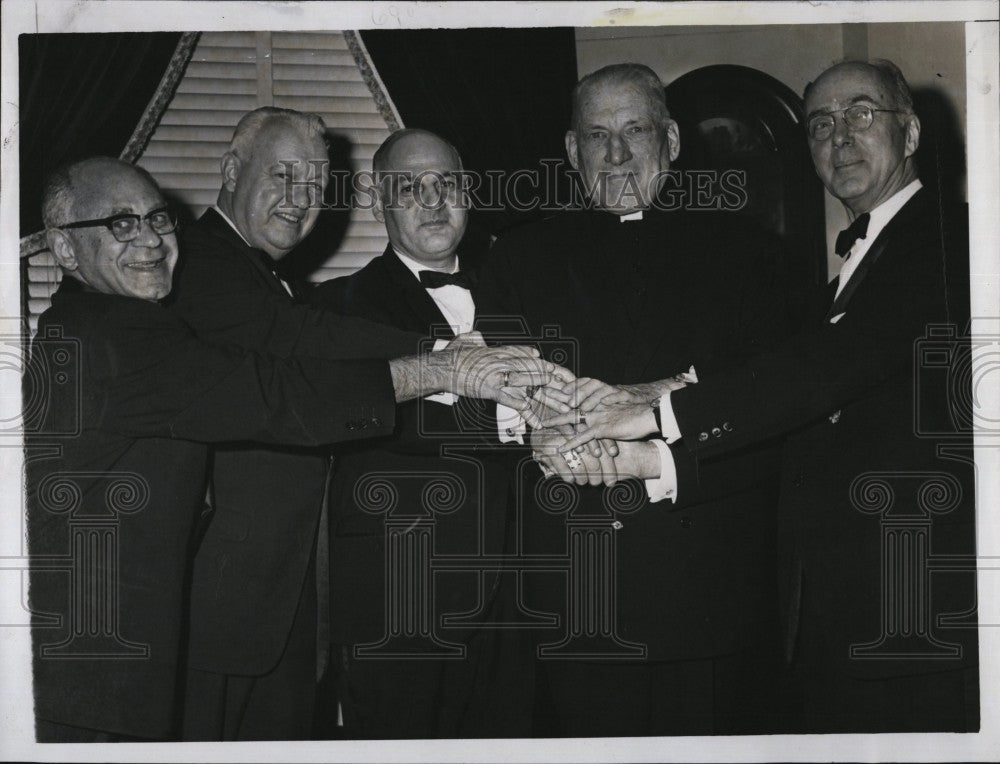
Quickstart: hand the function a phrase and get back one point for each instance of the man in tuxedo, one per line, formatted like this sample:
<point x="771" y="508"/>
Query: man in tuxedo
<point x="630" y="287"/>
<point x="421" y="283"/>
<point x="876" y="639"/>
<point x="117" y="466"/>
<point x="252" y="648"/>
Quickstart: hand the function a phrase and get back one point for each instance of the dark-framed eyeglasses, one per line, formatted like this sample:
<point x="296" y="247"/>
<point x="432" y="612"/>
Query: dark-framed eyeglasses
<point x="126" y="226"/>
<point x="858" y="117"/>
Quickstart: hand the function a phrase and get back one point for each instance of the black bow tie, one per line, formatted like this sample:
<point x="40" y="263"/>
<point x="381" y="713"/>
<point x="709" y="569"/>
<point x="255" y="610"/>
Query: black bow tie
<point x="856" y="230"/>
<point x="436" y="279"/>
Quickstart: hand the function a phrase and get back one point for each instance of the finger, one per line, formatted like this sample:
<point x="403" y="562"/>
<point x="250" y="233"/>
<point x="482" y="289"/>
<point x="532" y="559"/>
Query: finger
<point x="594" y="447"/>
<point x="609" y="446"/>
<point x="603" y="397"/>
<point x="559" y="420"/>
<point x="542" y="402"/>
<point x="563" y="374"/>
<point x="608" y="468"/>
<point x="581" y="438"/>
<point x="595" y="470"/>
<point x="534" y="377"/>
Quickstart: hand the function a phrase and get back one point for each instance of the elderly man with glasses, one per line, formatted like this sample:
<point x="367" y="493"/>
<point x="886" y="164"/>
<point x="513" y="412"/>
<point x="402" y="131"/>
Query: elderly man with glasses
<point x="876" y="512"/>
<point x="117" y="466"/>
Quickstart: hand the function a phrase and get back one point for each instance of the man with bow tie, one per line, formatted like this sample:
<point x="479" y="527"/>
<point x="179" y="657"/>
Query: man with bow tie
<point x="252" y="647"/>
<point x="873" y="641"/>
<point x="421" y="283"/>
<point x="634" y="287"/>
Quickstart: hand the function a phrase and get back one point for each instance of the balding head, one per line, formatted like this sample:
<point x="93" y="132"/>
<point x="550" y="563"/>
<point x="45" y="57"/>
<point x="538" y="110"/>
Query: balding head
<point x="419" y="196"/>
<point x="867" y="135"/>
<point x="92" y="191"/>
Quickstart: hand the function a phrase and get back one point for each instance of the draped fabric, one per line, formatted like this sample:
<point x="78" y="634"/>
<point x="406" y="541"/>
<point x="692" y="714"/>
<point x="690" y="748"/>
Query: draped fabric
<point x="501" y="96"/>
<point x="81" y="95"/>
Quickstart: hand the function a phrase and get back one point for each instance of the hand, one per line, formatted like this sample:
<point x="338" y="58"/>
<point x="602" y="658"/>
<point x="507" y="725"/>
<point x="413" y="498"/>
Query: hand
<point x="585" y="466"/>
<point x="638" y="459"/>
<point x="646" y="392"/>
<point x="501" y="374"/>
<point x="472" y="338"/>
<point x="616" y="421"/>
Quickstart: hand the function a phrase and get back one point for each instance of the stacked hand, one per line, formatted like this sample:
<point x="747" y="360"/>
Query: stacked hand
<point x="513" y="375"/>
<point x="603" y="418"/>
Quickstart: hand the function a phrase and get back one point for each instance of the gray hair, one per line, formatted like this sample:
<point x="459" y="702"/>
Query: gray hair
<point x="308" y="124"/>
<point x="59" y="190"/>
<point x="635" y="74"/>
<point x="891" y="77"/>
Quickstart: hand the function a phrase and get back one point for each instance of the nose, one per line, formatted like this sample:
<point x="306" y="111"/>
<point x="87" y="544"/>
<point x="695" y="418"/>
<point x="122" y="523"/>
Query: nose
<point x="302" y="195"/>
<point x="433" y="195"/>
<point x="147" y="237"/>
<point x="841" y="132"/>
<point x="618" y="150"/>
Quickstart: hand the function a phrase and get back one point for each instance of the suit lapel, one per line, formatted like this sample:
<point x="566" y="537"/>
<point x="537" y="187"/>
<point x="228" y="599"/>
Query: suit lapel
<point x="424" y="311"/>
<point x="897" y="227"/>
<point x="218" y="227"/>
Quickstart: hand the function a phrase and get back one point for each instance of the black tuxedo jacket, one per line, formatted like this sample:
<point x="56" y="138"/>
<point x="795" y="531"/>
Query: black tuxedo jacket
<point x="252" y="562"/>
<point x="135" y="395"/>
<point x="643" y="300"/>
<point x="432" y="442"/>
<point x="853" y="399"/>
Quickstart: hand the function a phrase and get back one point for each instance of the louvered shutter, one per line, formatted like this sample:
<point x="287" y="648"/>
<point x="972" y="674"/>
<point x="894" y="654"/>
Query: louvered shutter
<point x="232" y="73"/>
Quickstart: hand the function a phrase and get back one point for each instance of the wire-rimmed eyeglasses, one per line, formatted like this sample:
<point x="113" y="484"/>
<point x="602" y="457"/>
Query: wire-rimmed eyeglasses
<point x="858" y="117"/>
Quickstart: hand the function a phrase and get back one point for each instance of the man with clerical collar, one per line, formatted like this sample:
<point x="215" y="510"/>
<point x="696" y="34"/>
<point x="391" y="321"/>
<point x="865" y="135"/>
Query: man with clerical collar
<point x="629" y="286"/>
<point x="872" y="641"/>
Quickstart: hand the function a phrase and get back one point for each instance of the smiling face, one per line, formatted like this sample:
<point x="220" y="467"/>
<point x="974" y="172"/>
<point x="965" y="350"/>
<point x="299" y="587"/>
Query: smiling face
<point x="421" y="201"/>
<point x="141" y="268"/>
<point x="274" y="195"/>
<point x="622" y="144"/>
<point x="862" y="168"/>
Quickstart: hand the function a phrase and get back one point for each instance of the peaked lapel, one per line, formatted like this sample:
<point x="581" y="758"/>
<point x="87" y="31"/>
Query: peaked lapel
<point x="217" y="226"/>
<point x="897" y="227"/>
<point x="425" y="311"/>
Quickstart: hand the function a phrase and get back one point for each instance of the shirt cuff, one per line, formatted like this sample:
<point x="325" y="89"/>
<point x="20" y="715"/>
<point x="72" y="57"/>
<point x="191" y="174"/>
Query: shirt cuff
<point x="441" y="343"/>
<point x="448" y="399"/>
<point x="511" y="427"/>
<point x="669" y="428"/>
<point x="665" y="486"/>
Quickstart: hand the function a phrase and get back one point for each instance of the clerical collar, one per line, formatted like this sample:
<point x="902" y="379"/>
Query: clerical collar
<point x="637" y="215"/>
<point x="416" y="267"/>
<point x="232" y="225"/>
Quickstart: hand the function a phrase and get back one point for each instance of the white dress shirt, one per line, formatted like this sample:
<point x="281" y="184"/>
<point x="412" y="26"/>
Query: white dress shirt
<point x="455" y="304"/>
<point x="878" y="219"/>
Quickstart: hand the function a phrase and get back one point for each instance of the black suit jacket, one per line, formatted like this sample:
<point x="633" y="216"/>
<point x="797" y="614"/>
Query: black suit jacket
<point x="251" y="564"/>
<point x="135" y="395"/>
<point x="852" y="398"/>
<point x="432" y="442"/>
<point x="645" y="300"/>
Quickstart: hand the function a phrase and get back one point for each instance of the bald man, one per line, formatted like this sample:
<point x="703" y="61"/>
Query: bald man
<point x="421" y="283"/>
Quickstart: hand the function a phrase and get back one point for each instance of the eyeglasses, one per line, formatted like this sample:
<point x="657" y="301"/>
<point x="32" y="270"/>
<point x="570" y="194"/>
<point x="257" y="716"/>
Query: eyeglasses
<point x="858" y="117"/>
<point x="126" y="227"/>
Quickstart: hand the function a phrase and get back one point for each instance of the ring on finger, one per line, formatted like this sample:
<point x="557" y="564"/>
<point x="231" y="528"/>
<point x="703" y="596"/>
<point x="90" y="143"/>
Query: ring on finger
<point x="506" y="378"/>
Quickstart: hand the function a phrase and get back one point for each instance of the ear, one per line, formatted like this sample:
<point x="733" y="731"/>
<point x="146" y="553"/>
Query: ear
<point x="673" y="140"/>
<point x="62" y="248"/>
<point x="572" y="149"/>
<point x="230" y="166"/>
<point x="912" y="134"/>
<point x="378" y="210"/>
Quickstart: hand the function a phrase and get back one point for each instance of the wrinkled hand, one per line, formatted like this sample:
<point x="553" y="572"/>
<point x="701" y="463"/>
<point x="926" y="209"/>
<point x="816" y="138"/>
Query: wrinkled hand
<point x="646" y="392"/>
<point x="473" y="338"/>
<point x="614" y="421"/>
<point x="593" y="465"/>
<point x="503" y="374"/>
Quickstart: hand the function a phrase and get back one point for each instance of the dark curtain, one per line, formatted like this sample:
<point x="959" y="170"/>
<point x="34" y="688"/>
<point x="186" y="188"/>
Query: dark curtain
<point x="81" y="95"/>
<point x="501" y="96"/>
